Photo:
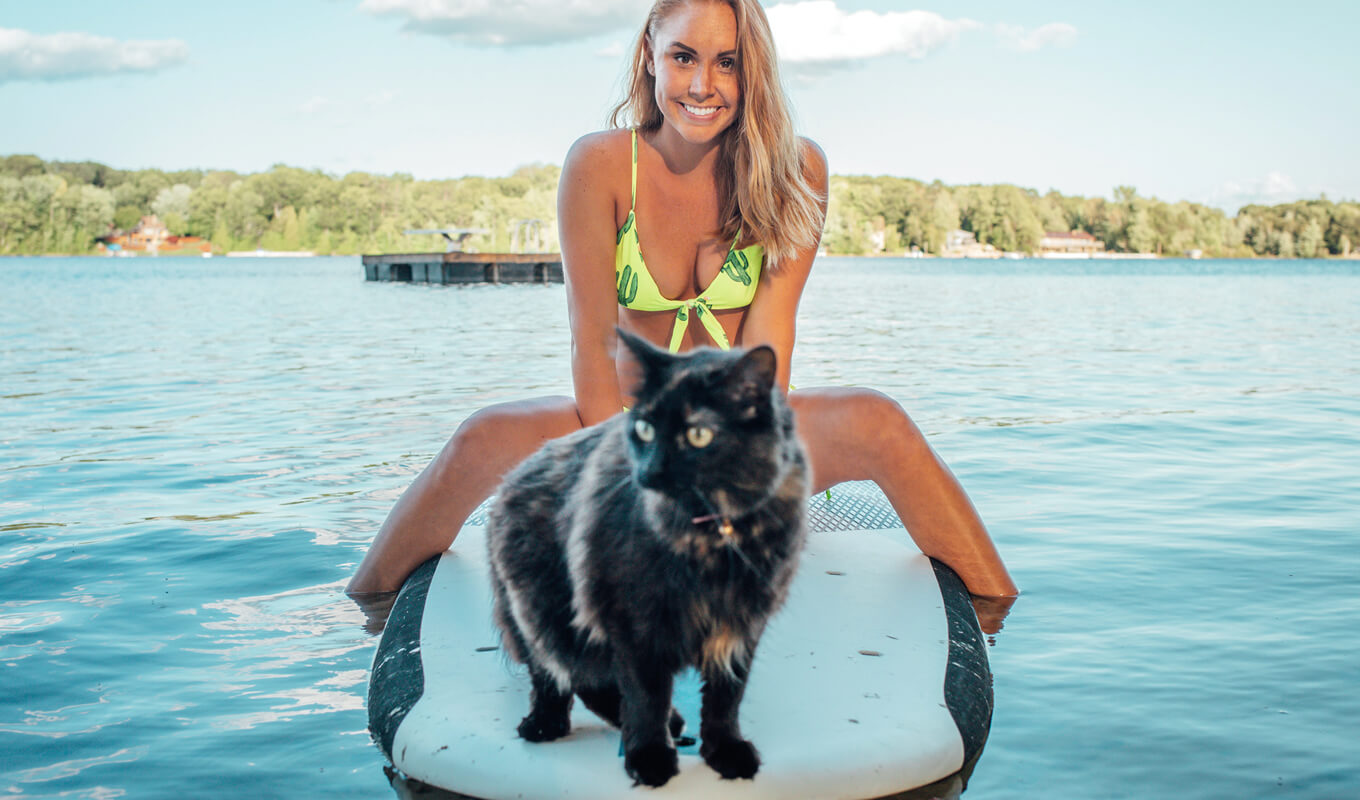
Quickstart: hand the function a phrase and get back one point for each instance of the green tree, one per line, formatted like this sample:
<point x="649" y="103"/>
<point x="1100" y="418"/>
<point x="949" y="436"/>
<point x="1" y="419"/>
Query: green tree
<point x="1310" y="244"/>
<point x="208" y="203"/>
<point x="22" y="166"/>
<point x="243" y="216"/>
<point x="1343" y="229"/>
<point x="943" y="219"/>
<point x="92" y="213"/>
<point x="14" y="220"/>
<point x="173" y="200"/>
<point x="221" y="238"/>
<point x="1283" y="244"/>
<point x="284" y="232"/>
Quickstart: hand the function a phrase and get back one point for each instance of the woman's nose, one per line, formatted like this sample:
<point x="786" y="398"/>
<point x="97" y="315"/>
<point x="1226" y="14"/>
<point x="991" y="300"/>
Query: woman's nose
<point x="701" y="85"/>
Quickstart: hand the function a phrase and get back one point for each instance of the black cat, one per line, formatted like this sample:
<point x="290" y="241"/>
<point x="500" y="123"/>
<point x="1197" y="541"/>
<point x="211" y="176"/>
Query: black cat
<point x="662" y="538"/>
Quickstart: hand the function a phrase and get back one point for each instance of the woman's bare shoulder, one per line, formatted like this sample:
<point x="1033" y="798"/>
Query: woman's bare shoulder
<point x="600" y="150"/>
<point x="814" y="161"/>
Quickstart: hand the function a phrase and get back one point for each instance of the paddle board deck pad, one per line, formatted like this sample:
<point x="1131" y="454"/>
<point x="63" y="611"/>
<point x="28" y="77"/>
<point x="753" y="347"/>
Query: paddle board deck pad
<point x="871" y="681"/>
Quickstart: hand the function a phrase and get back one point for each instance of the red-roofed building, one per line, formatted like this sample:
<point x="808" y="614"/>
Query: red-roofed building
<point x="151" y="236"/>
<point x="1075" y="244"/>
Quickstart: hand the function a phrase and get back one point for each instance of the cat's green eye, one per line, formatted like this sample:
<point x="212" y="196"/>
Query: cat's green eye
<point x="699" y="437"/>
<point x="644" y="430"/>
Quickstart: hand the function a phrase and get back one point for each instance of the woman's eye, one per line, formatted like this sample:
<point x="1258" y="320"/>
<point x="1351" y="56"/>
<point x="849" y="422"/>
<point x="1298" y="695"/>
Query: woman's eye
<point x="644" y="430"/>
<point x="728" y="64"/>
<point x="683" y="58"/>
<point x="699" y="437"/>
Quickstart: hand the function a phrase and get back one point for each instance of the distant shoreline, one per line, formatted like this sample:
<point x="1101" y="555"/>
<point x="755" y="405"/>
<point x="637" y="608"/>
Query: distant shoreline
<point x="78" y="208"/>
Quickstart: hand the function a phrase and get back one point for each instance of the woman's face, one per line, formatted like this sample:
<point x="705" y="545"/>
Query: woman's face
<point x="693" y="56"/>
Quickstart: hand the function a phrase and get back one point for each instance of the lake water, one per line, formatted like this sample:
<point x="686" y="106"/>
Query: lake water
<point x="194" y="455"/>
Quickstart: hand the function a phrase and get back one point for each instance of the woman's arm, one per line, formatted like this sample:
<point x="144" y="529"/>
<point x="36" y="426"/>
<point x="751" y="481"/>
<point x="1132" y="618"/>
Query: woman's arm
<point x="585" y="222"/>
<point x="772" y="317"/>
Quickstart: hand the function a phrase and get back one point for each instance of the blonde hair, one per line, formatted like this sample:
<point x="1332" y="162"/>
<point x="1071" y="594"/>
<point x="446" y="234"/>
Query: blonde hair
<point x="767" y="197"/>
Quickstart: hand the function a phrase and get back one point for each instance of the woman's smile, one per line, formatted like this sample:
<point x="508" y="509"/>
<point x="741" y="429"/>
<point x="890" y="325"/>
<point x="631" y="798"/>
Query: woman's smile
<point x="703" y="112"/>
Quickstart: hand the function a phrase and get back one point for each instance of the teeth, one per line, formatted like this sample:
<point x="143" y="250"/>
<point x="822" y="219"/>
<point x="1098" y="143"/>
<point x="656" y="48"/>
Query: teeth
<point x="700" y="112"/>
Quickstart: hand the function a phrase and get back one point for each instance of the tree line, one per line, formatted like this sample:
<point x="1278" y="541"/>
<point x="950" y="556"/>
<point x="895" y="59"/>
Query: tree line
<point x="62" y="207"/>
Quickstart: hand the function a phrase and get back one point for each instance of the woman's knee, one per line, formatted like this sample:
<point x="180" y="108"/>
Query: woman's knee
<point x="887" y="426"/>
<point x="519" y="422"/>
<point x="865" y="428"/>
<point x="865" y="412"/>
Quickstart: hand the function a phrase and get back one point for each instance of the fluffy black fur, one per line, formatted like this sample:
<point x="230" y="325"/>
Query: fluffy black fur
<point x="635" y="548"/>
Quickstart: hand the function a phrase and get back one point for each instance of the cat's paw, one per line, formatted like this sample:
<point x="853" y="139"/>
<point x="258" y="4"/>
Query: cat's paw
<point x="544" y="727"/>
<point x="731" y="758"/>
<point x="676" y="724"/>
<point x="652" y="764"/>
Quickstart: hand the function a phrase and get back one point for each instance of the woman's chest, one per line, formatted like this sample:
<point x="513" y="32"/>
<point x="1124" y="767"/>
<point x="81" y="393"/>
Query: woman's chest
<point x="679" y="239"/>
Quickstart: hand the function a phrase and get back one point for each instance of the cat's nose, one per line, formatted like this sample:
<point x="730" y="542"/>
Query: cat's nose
<point x="651" y="473"/>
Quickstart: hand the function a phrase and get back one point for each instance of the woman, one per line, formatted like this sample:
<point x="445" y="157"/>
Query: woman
<point x="729" y="207"/>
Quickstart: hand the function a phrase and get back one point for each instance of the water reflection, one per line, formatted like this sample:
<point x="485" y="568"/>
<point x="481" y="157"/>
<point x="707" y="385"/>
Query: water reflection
<point x="263" y="641"/>
<point x="75" y="766"/>
<point x="376" y="608"/>
<point x="991" y="614"/>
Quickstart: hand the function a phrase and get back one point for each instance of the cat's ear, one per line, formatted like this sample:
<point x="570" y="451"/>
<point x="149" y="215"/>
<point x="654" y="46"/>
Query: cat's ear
<point x="752" y="378"/>
<point x="652" y="358"/>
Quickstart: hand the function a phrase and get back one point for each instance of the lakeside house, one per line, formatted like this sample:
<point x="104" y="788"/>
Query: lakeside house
<point x="964" y="244"/>
<point x="1073" y="244"/>
<point x="150" y="236"/>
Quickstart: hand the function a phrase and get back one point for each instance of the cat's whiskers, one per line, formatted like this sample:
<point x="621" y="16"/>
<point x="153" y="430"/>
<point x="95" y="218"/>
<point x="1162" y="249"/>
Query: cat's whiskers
<point x="713" y="513"/>
<point x="678" y="514"/>
<point x="619" y="485"/>
<point x="735" y="547"/>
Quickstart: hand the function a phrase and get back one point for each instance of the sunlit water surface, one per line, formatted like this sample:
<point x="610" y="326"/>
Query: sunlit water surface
<point x="195" y="454"/>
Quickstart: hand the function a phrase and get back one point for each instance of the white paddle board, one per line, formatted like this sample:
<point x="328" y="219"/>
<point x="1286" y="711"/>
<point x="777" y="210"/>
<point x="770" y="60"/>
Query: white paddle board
<point x="871" y="681"/>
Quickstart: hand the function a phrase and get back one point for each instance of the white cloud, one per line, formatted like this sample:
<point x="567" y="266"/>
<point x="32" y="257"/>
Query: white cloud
<point x="315" y="104"/>
<point x="71" y="56"/>
<point x="1054" y="34"/>
<point x="1273" y="189"/>
<point x="813" y="36"/>
<point x="318" y="104"/>
<point x="513" y="22"/>
<point x="612" y="50"/>
<point x="817" y="34"/>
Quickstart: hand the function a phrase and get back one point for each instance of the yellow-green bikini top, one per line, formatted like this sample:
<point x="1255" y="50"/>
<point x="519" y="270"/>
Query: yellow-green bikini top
<point x="733" y="287"/>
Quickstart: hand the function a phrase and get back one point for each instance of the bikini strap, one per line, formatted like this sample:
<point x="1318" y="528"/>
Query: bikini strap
<point x="634" y="200"/>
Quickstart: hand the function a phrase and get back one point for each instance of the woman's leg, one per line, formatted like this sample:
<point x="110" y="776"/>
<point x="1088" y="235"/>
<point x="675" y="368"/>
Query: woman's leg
<point x="859" y="434"/>
<point x="430" y="513"/>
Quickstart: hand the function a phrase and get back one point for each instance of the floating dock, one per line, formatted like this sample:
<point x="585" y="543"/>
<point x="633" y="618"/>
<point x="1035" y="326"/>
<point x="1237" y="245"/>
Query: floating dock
<point x="464" y="268"/>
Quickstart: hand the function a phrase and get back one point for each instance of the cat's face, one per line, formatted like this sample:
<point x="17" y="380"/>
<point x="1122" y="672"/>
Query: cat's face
<point x="704" y="430"/>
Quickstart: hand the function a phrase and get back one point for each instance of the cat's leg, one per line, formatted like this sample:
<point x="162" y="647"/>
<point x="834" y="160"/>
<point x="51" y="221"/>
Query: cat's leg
<point x="512" y="641"/>
<point x="649" y="754"/>
<point x="429" y="515"/>
<point x="606" y="702"/>
<point x="861" y="434"/>
<point x="549" y="709"/>
<point x="723" y="747"/>
<point x="603" y="702"/>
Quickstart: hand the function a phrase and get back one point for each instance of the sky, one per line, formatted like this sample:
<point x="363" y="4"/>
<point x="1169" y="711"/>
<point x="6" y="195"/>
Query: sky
<point x="1222" y="103"/>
